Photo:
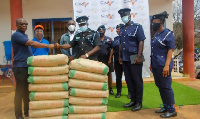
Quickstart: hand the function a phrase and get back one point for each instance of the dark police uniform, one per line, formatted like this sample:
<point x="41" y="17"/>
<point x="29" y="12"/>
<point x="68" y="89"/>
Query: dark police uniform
<point x="88" y="42"/>
<point x="104" y="51"/>
<point x="129" y="39"/>
<point x="160" y="44"/>
<point x="117" y="65"/>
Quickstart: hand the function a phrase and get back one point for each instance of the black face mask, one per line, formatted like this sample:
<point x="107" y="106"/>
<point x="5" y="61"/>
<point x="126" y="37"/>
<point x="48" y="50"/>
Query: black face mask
<point x="101" y="34"/>
<point x="156" y="26"/>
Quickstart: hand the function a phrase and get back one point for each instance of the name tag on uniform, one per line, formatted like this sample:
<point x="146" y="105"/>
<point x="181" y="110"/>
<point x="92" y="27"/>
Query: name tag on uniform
<point x="77" y="38"/>
<point x="133" y="58"/>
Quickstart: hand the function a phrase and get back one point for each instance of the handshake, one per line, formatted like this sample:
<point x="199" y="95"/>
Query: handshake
<point x="52" y="46"/>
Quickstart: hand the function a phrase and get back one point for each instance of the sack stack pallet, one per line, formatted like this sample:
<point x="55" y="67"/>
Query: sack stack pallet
<point x="88" y="89"/>
<point x="48" y="87"/>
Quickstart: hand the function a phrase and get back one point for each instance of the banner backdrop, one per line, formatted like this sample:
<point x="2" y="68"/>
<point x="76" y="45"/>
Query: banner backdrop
<point x="105" y="12"/>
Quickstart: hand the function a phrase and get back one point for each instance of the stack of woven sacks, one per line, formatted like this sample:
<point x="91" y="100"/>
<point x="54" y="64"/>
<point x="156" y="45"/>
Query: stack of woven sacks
<point x="48" y="87"/>
<point x="88" y="89"/>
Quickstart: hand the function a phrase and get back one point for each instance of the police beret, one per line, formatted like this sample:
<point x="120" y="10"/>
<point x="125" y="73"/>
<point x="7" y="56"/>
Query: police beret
<point x="124" y="12"/>
<point x="119" y="26"/>
<point x="82" y="20"/>
<point x="161" y="15"/>
<point x="102" y="27"/>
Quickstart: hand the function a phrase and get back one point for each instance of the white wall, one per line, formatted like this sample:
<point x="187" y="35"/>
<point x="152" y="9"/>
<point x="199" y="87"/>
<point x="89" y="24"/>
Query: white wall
<point x="158" y="6"/>
<point x="5" y="26"/>
<point x="38" y="9"/>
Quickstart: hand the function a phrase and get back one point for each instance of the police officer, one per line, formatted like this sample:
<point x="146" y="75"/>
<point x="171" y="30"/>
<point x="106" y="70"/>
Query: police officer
<point x="104" y="54"/>
<point x="162" y="47"/>
<point x="117" y="65"/>
<point x="88" y="41"/>
<point x="130" y="55"/>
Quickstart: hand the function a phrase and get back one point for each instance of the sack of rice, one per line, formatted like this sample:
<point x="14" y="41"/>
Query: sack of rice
<point x="56" y="117"/>
<point x="88" y="93"/>
<point x="48" y="112"/>
<point x="48" y="71"/>
<point x="87" y="65"/>
<point x="87" y="101"/>
<point x="48" y="95"/>
<point x="87" y="116"/>
<point x="87" y="76"/>
<point x="48" y="87"/>
<point x="74" y="109"/>
<point x="48" y="79"/>
<point x="48" y="104"/>
<point x="88" y="84"/>
<point x="48" y="60"/>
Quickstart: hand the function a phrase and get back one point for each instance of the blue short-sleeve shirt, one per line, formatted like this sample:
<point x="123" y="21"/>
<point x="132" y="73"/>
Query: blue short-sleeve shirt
<point x="20" y="50"/>
<point x="160" y="44"/>
<point x="115" y="46"/>
<point x="40" y="51"/>
<point x="129" y="39"/>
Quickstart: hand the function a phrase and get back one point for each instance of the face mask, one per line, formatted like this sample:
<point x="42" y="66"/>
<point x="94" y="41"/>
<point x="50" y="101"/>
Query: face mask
<point x="101" y="34"/>
<point x="156" y="26"/>
<point x="84" y="28"/>
<point x="125" y="19"/>
<point x="71" y="27"/>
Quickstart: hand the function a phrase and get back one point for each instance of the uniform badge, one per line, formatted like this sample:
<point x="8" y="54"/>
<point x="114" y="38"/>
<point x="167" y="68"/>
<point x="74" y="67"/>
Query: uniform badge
<point x="77" y="38"/>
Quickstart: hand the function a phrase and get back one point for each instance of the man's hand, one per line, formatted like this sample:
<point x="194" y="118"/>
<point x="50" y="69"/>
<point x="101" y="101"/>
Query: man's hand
<point x="51" y="46"/>
<point x="165" y="71"/>
<point x="120" y="60"/>
<point x="83" y="56"/>
<point x="71" y="58"/>
<point x="138" y="60"/>
<point x="57" y="45"/>
<point x="150" y="68"/>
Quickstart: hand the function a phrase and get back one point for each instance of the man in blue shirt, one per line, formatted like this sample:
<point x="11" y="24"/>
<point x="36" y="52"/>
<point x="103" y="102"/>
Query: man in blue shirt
<point x="22" y="50"/>
<point x="39" y="38"/>
<point x="130" y="56"/>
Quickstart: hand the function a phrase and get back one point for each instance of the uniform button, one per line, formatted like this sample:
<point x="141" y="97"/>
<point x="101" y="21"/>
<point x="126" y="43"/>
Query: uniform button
<point x="124" y="42"/>
<point x="153" y="41"/>
<point x="162" y="56"/>
<point x="82" y="42"/>
<point x="124" y="36"/>
<point x="125" y="30"/>
<point x="82" y="49"/>
<point x="152" y="53"/>
<point x="152" y="47"/>
<point x="123" y="48"/>
<point x="83" y="37"/>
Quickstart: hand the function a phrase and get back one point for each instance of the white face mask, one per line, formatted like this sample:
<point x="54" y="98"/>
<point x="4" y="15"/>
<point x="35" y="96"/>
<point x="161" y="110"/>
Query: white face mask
<point x="71" y="27"/>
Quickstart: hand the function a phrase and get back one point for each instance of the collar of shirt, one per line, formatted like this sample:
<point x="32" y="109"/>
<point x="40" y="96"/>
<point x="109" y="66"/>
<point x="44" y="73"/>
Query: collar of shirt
<point x="161" y="32"/>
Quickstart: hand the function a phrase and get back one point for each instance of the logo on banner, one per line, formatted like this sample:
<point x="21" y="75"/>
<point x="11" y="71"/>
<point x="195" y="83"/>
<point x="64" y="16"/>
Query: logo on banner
<point x="110" y="16"/>
<point x="130" y="1"/>
<point x="109" y="2"/>
<point x="82" y="4"/>
<point x="133" y="14"/>
<point x="111" y="29"/>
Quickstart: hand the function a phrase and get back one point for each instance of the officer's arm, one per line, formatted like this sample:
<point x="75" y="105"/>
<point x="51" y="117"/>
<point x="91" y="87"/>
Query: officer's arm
<point x="140" y="49"/>
<point x="169" y="57"/>
<point x="111" y="53"/>
<point x="94" y="50"/>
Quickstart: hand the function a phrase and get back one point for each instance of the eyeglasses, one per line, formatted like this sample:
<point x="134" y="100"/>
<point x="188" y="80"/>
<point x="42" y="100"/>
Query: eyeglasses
<point x="23" y="24"/>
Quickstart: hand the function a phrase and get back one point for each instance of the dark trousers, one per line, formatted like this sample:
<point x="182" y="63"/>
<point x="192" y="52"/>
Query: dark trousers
<point x="21" y="91"/>
<point x="118" y="73"/>
<point x="133" y="77"/>
<point x="165" y="89"/>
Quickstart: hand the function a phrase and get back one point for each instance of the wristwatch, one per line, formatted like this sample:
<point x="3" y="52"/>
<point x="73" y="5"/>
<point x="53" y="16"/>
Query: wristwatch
<point x="86" y="55"/>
